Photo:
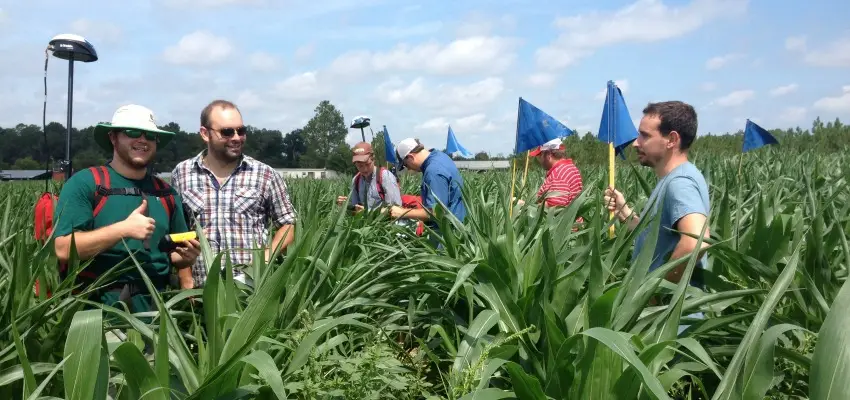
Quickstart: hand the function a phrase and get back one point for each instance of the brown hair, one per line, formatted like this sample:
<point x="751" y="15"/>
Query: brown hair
<point x="675" y="116"/>
<point x="205" y="113"/>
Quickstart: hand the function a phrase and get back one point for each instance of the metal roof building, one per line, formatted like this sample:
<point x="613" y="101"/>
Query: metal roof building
<point x="482" y="165"/>
<point x="24" y="174"/>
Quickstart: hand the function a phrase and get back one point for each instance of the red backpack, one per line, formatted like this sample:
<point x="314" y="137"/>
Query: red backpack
<point x="407" y="200"/>
<point x="44" y="208"/>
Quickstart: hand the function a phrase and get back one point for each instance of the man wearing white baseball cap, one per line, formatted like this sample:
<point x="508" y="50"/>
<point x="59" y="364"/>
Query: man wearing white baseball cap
<point x="440" y="180"/>
<point x="563" y="180"/>
<point x="122" y="203"/>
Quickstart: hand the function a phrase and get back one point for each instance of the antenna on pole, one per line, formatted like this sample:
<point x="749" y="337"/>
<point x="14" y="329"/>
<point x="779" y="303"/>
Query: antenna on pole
<point x="70" y="47"/>
<point x="361" y="122"/>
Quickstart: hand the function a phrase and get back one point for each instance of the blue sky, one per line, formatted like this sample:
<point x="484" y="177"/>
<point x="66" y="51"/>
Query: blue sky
<point x="419" y="66"/>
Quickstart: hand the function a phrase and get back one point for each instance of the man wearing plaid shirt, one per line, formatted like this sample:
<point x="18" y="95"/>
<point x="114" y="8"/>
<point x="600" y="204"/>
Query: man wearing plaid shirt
<point x="231" y="195"/>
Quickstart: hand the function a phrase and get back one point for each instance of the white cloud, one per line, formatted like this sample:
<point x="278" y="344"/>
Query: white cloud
<point x="708" y="86"/>
<point x="795" y="43"/>
<point x="542" y="79"/>
<point x="623" y="84"/>
<point x="249" y="100"/>
<point x="370" y="31"/>
<point x="305" y="52"/>
<point x="643" y="21"/>
<point x="735" y="98"/>
<point x="835" y="54"/>
<point x="477" y="122"/>
<point x="96" y="32"/>
<point x="210" y="3"/>
<point x="793" y="114"/>
<point x="479" y="24"/>
<point x="262" y="61"/>
<point x="303" y="86"/>
<point x="199" y="48"/>
<point x="783" y="90"/>
<point x="472" y="55"/>
<point x="444" y="98"/>
<point x="835" y="104"/>
<point x="721" y="61"/>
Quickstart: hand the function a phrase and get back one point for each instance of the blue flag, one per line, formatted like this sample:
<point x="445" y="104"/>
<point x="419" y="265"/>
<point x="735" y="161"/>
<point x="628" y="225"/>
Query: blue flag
<point x="616" y="126"/>
<point x="389" y="149"/>
<point x="534" y="127"/>
<point x="452" y="145"/>
<point x="756" y="136"/>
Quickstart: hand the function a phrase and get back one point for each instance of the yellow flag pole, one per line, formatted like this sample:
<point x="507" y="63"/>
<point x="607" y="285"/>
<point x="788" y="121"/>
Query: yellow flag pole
<point x="527" y="156"/>
<point x="611" y="183"/>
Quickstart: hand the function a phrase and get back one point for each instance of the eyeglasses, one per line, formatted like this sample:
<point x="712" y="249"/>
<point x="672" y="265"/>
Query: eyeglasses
<point x="228" y="132"/>
<point x="135" y="134"/>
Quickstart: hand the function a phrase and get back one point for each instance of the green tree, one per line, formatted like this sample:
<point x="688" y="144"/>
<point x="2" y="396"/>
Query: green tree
<point x="323" y="134"/>
<point x="26" y="163"/>
<point x="293" y="148"/>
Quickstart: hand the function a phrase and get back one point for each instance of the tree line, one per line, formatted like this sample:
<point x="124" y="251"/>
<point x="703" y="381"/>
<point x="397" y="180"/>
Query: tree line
<point x="321" y="144"/>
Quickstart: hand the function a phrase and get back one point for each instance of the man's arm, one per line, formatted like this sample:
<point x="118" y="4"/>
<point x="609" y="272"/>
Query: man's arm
<point x="684" y="206"/>
<point x="691" y="224"/>
<point x="187" y="253"/>
<point x="282" y="213"/>
<point x="89" y="244"/>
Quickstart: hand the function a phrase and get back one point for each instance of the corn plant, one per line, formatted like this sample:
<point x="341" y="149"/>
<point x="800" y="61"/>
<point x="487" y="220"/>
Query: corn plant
<point x="514" y="302"/>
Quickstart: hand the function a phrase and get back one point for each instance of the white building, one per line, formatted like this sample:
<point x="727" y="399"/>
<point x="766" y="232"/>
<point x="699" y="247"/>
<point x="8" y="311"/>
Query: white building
<point x="316" y="173"/>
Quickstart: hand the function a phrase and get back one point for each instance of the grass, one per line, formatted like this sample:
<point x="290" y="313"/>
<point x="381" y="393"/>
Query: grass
<point x="514" y="306"/>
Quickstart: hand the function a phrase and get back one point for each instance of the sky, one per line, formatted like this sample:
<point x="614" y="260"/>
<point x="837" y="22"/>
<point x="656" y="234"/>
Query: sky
<point x="417" y="67"/>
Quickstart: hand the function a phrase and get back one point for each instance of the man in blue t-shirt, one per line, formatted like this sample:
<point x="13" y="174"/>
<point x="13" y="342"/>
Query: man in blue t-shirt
<point x="440" y="181"/>
<point x="666" y="133"/>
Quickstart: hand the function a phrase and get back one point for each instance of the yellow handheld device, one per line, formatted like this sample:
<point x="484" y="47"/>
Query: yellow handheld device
<point x="169" y="242"/>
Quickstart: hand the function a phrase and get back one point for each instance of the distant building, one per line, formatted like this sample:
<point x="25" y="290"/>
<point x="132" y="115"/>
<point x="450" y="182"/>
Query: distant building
<point x="315" y="173"/>
<point x="479" y="166"/>
<point x="292" y="173"/>
<point x="25" y="174"/>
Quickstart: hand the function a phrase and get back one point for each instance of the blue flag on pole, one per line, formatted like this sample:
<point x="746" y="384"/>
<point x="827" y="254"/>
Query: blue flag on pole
<point x="453" y="146"/>
<point x="616" y="126"/>
<point x="534" y="127"/>
<point x="389" y="149"/>
<point x="756" y="136"/>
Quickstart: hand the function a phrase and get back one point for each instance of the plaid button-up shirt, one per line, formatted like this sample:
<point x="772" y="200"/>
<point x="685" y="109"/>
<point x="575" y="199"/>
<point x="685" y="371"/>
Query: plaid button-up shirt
<point x="235" y="214"/>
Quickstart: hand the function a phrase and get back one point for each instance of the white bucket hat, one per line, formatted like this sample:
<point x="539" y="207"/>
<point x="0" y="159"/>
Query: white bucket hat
<point x="130" y="116"/>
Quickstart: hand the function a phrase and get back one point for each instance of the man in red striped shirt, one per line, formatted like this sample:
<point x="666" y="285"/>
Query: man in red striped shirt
<point x="563" y="179"/>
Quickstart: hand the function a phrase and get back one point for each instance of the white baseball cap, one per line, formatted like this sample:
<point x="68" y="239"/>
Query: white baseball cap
<point x="554" y="144"/>
<point x="403" y="149"/>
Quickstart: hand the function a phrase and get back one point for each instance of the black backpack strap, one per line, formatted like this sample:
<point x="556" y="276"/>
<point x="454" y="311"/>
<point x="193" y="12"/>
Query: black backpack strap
<point x="165" y="194"/>
<point x="380" y="179"/>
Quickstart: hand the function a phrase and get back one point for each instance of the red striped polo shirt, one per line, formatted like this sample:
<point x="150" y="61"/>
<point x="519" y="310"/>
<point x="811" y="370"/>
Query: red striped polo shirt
<point x="563" y="184"/>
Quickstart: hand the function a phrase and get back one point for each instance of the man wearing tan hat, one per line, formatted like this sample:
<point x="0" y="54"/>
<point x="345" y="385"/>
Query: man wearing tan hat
<point x="120" y="208"/>
<point x="372" y="188"/>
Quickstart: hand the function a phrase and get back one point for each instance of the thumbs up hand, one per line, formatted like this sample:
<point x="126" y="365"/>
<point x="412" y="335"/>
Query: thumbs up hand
<point x="137" y="225"/>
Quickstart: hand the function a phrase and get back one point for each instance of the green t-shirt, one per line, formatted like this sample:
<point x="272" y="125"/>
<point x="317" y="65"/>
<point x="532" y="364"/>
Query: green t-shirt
<point x="74" y="212"/>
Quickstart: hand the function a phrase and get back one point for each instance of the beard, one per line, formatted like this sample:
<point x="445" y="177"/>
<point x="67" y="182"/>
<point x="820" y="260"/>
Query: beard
<point x="136" y="156"/>
<point x="226" y="151"/>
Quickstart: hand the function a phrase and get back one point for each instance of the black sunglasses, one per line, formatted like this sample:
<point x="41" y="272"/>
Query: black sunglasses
<point x="135" y="134"/>
<point x="228" y="132"/>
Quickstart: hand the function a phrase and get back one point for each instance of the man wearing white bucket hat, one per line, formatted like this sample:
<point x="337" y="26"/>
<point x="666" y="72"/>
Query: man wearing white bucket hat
<point x="119" y="208"/>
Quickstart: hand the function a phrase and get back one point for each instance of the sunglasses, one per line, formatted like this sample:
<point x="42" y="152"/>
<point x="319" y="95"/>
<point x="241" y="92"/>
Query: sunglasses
<point x="228" y="132"/>
<point x="135" y="134"/>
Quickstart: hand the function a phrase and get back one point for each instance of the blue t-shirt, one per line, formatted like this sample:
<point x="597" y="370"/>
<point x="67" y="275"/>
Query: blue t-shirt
<point x="441" y="180"/>
<point x="685" y="191"/>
